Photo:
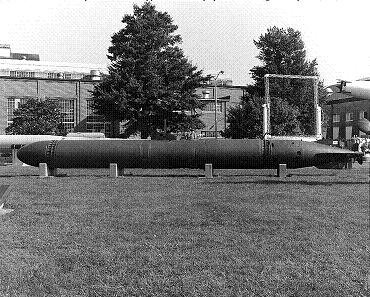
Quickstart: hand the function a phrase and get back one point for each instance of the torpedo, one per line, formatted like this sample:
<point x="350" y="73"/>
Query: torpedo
<point x="222" y="153"/>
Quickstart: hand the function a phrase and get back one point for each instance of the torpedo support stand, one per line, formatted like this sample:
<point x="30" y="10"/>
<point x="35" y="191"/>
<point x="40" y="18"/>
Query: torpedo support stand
<point x="208" y="170"/>
<point x="281" y="170"/>
<point x="349" y="163"/>
<point x="46" y="171"/>
<point x="49" y="168"/>
<point x="114" y="171"/>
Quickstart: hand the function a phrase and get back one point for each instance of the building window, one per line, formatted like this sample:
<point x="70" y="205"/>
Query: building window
<point x="91" y="116"/>
<point x="349" y="132"/>
<point x="102" y="127"/>
<point x="209" y="133"/>
<point x="210" y="106"/>
<point x="22" y="74"/>
<point x="335" y="132"/>
<point x="349" y="116"/>
<point x="77" y="76"/>
<point x="53" y="75"/>
<point x="96" y="123"/>
<point x="68" y="127"/>
<point x="67" y="108"/>
<point x="13" y="104"/>
<point x="67" y="76"/>
<point x="336" y="118"/>
<point x="362" y="115"/>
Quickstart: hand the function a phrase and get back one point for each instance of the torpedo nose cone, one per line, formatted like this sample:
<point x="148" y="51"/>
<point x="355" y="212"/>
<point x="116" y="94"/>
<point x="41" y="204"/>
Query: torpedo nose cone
<point x="33" y="154"/>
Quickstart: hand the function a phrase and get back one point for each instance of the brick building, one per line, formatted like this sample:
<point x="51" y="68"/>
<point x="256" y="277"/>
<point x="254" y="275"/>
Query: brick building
<point x="24" y="76"/>
<point x="227" y="96"/>
<point x="73" y="96"/>
<point x="347" y="106"/>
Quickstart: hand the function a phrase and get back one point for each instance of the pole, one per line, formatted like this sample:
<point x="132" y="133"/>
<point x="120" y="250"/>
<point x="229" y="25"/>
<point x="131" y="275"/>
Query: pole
<point x="268" y="105"/>
<point x="265" y="121"/>
<point x="221" y="72"/>
<point x="317" y="109"/>
<point x="216" y="107"/>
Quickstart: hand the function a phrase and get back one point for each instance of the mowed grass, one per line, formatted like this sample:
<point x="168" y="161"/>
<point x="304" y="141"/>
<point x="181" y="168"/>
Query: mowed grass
<point x="171" y="233"/>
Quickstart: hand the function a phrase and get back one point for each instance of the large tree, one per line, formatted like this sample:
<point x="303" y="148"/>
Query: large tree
<point x="150" y="82"/>
<point x="281" y="51"/>
<point x="37" y="117"/>
<point x="245" y="120"/>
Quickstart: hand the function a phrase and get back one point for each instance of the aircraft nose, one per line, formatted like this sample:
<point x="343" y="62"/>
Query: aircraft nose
<point x="364" y="125"/>
<point x="33" y="154"/>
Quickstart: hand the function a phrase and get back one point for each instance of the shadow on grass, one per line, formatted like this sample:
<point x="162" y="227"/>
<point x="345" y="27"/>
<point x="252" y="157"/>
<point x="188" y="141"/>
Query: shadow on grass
<point x="308" y="174"/>
<point x="308" y="183"/>
<point x="163" y="175"/>
<point x="130" y="175"/>
<point x="18" y="175"/>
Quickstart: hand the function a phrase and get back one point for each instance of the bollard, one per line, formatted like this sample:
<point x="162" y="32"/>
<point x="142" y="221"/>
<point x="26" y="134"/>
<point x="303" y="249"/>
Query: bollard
<point x="281" y="171"/>
<point x="15" y="160"/>
<point x="350" y="163"/>
<point x="208" y="171"/>
<point x="113" y="170"/>
<point x="44" y="171"/>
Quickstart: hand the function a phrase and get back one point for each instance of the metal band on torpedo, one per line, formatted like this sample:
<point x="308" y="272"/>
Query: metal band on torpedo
<point x="50" y="153"/>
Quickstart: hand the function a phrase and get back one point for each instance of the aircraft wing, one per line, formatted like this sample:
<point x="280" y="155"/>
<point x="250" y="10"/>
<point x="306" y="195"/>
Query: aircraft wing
<point x="364" y="125"/>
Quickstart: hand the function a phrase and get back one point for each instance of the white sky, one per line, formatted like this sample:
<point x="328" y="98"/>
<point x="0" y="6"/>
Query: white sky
<point x="217" y="35"/>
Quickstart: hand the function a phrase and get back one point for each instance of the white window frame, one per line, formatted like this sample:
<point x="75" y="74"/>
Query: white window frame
<point x="336" y="118"/>
<point x="335" y="132"/>
<point x="18" y="73"/>
<point x="96" y="123"/>
<point x="67" y="108"/>
<point x="14" y="102"/>
<point x="53" y="75"/>
<point x="361" y="114"/>
<point x="209" y="107"/>
<point x="349" y="131"/>
<point x="349" y="116"/>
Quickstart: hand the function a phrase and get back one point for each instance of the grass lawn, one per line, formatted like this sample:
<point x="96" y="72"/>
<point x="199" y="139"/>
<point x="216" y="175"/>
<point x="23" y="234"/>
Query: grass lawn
<point x="170" y="233"/>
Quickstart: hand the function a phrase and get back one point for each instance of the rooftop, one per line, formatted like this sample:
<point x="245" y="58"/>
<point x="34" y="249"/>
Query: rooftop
<point x="41" y="66"/>
<point x="6" y="53"/>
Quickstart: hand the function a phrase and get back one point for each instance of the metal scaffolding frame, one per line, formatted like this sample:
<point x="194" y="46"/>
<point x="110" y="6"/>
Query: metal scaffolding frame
<point x="267" y="105"/>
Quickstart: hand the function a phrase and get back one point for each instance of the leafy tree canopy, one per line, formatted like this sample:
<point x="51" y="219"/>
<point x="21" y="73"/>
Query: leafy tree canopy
<point x="36" y="117"/>
<point x="281" y="51"/>
<point x="245" y="120"/>
<point x="150" y="80"/>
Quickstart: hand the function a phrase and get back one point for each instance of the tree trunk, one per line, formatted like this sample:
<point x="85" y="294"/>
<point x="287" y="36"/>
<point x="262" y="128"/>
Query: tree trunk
<point x="115" y="128"/>
<point x="144" y="134"/>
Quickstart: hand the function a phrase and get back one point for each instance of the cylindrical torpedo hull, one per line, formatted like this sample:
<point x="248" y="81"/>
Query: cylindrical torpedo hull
<point x="144" y="154"/>
<point x="222" y="153"/>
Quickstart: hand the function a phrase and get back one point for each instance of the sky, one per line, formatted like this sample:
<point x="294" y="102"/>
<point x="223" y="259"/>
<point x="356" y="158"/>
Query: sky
<point x="217" y="34"/>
